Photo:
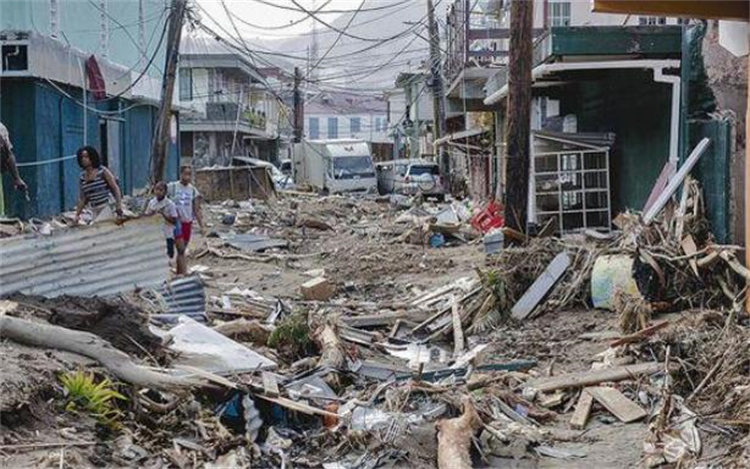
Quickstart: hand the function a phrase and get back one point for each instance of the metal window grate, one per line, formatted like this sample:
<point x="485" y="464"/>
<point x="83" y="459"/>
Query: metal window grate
<point x="571" y="188"/>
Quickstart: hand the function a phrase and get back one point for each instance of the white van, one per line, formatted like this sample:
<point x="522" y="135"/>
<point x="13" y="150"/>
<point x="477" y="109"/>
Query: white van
<point x="333" y="166"/>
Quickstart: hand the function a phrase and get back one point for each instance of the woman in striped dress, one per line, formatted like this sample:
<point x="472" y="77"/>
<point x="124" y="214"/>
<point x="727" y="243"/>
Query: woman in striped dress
<point x="97" y="185"/>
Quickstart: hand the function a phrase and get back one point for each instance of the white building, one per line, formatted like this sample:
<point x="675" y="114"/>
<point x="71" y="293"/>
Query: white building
<point x="236" y="108"/>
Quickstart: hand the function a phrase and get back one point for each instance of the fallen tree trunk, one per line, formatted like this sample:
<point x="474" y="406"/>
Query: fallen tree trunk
<point x="91" y="346"/>
<point x="454" y="438"/>
<point x="332" y="350"/>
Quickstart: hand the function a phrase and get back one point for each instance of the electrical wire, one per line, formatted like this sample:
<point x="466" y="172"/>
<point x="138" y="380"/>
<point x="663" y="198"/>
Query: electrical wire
<point x="284" y="26"/>
<point x="341" y="31"/>
<point x="303" y="10"/>
<point x="338" y="38"/>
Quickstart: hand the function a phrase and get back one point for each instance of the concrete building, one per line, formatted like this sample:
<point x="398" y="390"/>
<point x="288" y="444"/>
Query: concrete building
<point x="74" y="74"/>
<point x="232" y="108"/>
<point x="331" y="115"/>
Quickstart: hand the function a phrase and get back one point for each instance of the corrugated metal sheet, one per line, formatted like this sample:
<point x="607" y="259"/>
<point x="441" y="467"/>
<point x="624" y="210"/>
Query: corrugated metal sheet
<point x="97" y="260"/>
<point x="186" y="296"/>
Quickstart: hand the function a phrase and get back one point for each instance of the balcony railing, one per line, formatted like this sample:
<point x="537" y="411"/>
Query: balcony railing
<point x="231" y="113"/>
<point x="475" y="39"/>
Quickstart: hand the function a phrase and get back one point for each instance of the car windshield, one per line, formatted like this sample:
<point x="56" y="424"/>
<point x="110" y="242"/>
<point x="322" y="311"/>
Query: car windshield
<point x="424" y="170"/>
<point x="349" y="167"/>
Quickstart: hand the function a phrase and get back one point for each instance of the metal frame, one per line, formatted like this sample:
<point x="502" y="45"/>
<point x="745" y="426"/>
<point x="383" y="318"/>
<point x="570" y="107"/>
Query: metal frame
<point x="580" y="172"/>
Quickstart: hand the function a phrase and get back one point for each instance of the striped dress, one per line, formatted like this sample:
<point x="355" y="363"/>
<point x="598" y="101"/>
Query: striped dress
<point x="96" y="191"/>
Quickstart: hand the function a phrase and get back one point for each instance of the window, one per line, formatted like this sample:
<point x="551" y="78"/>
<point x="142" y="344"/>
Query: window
<point x="356" y="125"/>
<point x="559" y="13"/>
<point x="380" y="125"/>
<point x="313" y="126"/>
<point x="652" y="20"/>
<point x="186" y="84"/>
<point x="333" y="127"/>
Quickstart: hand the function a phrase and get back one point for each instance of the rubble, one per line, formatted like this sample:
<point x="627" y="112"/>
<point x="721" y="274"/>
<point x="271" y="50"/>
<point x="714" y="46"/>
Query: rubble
<point x="348" y="347"/>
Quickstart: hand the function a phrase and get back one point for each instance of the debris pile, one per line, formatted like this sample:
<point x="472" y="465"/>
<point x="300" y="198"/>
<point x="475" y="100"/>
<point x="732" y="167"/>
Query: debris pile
<point x="314" y="332"/>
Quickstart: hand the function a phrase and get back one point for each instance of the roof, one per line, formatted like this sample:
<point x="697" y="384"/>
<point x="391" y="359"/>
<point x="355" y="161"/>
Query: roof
<point x="346" y="104"/>
<point x="101" y="259"/>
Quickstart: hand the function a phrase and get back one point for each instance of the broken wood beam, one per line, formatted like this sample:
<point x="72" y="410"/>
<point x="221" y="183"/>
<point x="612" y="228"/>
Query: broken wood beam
<point x="640" y="335"/>
<point x="616" y="402"/>
<point x="458" y="330"/>
<point x="582" y="411"/>
<point x="541" y="286"/>
<point x="591" y="378"/>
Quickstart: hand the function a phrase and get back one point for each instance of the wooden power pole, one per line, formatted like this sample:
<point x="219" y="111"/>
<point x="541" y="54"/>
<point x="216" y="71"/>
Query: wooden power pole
<point x="299" y="107"/>
<point x="436" y="72"/>
<point x="519" y="113"/>
<point x="162" y="133"/>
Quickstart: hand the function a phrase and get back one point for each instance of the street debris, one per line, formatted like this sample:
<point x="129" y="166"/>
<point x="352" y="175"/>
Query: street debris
<point x="316" y="333"/>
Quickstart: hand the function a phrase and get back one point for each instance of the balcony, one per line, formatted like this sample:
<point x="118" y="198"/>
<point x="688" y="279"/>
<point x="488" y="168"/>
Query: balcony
<point x="477" y="46"/>
<point x="227" y="117"/>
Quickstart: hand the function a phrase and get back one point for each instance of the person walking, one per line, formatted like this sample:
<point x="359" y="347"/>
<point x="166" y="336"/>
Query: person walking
<point x="8" y="164"/>
<point x="96" y="186"/>
<point x="188" y="201"/>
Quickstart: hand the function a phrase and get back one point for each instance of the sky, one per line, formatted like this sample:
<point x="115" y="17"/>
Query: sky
<point x="254" y="12"/>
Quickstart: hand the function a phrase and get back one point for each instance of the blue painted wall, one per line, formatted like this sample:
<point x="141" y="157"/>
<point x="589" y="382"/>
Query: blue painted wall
<point x="80" y="22"/>
<point x="46" y="125"/>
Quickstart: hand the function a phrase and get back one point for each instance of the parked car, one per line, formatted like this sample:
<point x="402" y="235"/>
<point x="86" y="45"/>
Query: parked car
<point x="281" y="181"/>
<point x="410" y="177"/>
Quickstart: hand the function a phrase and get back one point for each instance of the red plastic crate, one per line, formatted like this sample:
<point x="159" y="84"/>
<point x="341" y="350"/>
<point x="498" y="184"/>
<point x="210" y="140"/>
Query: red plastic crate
<point x="489" y="218"/>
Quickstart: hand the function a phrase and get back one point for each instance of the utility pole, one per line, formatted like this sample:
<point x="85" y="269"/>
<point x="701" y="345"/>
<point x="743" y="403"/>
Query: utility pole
<point x="299" y="107"/>
<point x="519" y="113"/>
<point x="161" y="135"/>
<point x="438" y="107"/>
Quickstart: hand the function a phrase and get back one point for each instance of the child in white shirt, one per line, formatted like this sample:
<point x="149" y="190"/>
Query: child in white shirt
<point x="162" y="205"/>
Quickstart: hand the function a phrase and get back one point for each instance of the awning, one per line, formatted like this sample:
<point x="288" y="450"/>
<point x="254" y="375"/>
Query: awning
<point x="713" y="9"/>
<point x="459" y="136"/>
<point x="542" y="70"/>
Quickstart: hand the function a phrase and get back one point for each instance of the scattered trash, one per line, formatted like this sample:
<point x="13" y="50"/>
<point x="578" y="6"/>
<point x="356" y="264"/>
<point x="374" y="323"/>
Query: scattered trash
<point x="202" y="347"/>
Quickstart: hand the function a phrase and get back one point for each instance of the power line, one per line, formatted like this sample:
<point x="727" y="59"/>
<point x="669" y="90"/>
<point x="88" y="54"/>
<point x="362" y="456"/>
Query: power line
<point x="336" y="41"/>
<point x="303" y="10"/>
<point x="340" y="31"/>
<point x="318" y="10"/>
<point x="284" y="26"/>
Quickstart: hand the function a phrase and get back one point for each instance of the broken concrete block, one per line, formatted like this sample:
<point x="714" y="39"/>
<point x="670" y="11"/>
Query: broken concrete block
<point x="318" y="289"/>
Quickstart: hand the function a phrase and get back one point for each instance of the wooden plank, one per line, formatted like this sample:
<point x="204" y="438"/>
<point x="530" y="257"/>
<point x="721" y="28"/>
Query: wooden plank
<point x="270" y="385"/>
<point x="661" y="183"/>
<point x="582" y="411"/>
<point x="458" y="330"/>
<point x="590" y="378"/>
<point x="616" y="402"/>
<point x="676" y="181"/>
<point x="374" y="320"/>
<point x="541" y="286"/>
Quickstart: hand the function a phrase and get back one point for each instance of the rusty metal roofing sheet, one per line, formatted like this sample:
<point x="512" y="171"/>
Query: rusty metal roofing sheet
<point x="97" y="260"/>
